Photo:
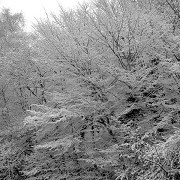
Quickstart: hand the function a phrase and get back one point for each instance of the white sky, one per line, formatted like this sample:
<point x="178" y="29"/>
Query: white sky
<point x="35" y="8"/>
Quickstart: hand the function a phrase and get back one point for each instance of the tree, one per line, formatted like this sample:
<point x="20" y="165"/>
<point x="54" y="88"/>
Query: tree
<point x="10" y="42"/>
<point x="101" y="51"/>
<point x="103" y="84"/>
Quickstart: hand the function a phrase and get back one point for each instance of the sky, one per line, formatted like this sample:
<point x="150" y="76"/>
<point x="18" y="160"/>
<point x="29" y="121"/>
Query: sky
<point x="35" y="8"/>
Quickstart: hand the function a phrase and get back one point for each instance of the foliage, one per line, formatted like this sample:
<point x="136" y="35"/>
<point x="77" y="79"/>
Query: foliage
<point x="101" y="85"/>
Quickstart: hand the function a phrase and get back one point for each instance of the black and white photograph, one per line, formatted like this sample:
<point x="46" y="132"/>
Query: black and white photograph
<point x="89" y="89"/>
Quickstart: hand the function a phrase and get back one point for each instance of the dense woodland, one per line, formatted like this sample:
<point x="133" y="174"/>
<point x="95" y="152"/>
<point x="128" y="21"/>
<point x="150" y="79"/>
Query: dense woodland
<point x="91" y="93"/>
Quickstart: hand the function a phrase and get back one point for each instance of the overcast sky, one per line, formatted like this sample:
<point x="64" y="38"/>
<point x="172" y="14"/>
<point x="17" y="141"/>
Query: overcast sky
<point x="35" y="8"/>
